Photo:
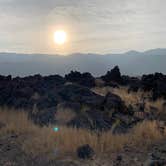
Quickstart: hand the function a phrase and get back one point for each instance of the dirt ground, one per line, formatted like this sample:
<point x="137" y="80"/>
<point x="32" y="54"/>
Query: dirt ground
<point x="11" y="154"/>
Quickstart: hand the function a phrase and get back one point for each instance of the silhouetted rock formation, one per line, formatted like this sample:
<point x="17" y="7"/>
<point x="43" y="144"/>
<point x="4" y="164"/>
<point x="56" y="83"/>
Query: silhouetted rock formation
<point x="113" y="75"/>
<point x="84" y="79"/>
<point x="155" y="83"/>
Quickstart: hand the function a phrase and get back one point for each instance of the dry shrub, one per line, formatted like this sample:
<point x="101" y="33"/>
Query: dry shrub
<point x="44" y="141"/>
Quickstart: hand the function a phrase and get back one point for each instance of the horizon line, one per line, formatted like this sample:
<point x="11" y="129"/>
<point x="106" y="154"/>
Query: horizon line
<point x="85" y="53"/>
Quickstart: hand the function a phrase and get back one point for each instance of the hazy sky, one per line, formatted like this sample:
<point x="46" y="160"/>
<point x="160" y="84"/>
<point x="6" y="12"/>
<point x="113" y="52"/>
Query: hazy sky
<point x="98" y="26"/>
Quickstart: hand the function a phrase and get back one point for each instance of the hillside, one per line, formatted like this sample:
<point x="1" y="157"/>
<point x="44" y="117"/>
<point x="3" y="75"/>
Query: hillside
<point x="79" y="119"/>
<point x="131" y="63"/>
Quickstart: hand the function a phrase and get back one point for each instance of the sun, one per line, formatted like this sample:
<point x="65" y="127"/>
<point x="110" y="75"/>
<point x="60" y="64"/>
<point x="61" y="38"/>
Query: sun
<point x="60" y="37"/>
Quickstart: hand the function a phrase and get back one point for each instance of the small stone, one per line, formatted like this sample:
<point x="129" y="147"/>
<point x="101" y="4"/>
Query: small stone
<point x="152" y="162"/>
<point x="14" y="136"/>
<point x="135" y="159"/>
<point x="85" y="152"/>
<point x="119" y="158"/>
<point x="2" y="125"/>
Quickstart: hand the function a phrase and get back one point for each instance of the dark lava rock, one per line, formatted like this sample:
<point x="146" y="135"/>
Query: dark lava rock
<point x="53" y="81"/>
<point x="122" y="123"/>
<point x="84" y="79"/>
<point x="46" y="102"/>
<point x="43" y="117"/>
<point x="91" y="119"/>
<point x="100" y="120"/>
<point x="119" y="158"/>
<point x="53" y="91"/>
<point x="156" y="84"/>
<point x="114" y="103"/>
<point x="81" y="121"/>
<point x="157" y="163"/>
<point x="76" y="107"/>
<point x="85" y="152"/>
<point x="5" y="78"/>
<point x="112" y="84"/>
<point x="2" y="125"/>
<point x="80" y="94"/>
<point x="113" y="75"/>
<point x="112" y="112"/>
<point x="133" y="83"/>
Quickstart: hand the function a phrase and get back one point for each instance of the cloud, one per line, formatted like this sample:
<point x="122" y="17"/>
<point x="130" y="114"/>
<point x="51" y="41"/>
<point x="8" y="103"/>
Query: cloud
<point x="106" y="21"/>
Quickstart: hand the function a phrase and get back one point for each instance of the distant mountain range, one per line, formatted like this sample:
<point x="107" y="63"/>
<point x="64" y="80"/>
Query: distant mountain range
<point x="131" y="63"/>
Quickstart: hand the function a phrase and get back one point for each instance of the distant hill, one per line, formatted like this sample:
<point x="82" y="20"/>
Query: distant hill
<point x="131" y="63"/>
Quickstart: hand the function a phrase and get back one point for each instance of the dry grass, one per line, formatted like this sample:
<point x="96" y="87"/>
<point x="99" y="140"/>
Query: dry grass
<point x="63" y="116"/>
<point x="146" y="133"/>
<point x="133" y="98"/>
<point x="99" y="82"/>
<point x="129" y="98"/>
<point x="159" y="104"/>
<point x="44" y="141"/>
<point x="16" y="122"/>
<point x="102" y="90"/>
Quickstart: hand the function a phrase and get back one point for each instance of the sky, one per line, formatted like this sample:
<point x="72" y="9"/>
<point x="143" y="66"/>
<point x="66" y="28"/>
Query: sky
<point x="93" y="26"/>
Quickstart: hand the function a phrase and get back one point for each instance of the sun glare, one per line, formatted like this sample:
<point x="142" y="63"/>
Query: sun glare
<point x="60" y="37"/>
